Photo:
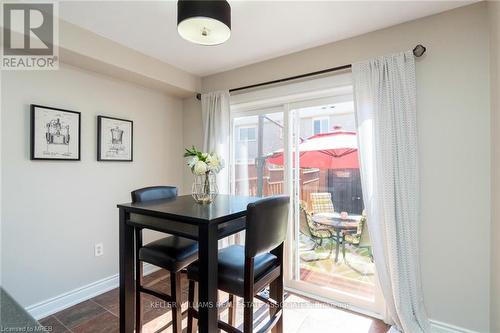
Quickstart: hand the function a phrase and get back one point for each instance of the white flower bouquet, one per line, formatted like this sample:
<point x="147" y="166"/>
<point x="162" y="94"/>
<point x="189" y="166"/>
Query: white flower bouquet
<point x="204" y="166"/>
<point x="202" y="163"/>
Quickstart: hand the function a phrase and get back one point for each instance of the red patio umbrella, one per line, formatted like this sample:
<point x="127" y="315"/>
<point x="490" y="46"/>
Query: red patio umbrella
<point x="333" y="150"/>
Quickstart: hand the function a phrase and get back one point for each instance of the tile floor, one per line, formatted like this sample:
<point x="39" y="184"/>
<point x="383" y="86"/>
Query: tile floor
<point x="100" y="314"/>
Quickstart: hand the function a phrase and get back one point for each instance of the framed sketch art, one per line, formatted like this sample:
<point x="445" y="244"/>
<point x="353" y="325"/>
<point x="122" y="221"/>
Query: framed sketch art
<point x="114" y="139"/>
<point x="55" y="134"/>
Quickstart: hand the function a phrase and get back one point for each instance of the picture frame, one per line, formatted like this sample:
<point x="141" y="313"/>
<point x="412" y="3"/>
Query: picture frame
<point x="55" y="134"/>
<point x="115" y="139"/>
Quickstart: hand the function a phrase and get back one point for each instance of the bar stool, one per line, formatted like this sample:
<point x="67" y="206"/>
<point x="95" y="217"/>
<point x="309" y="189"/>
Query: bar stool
<point x="244" y="271"/>
<point x="171" y="253"/>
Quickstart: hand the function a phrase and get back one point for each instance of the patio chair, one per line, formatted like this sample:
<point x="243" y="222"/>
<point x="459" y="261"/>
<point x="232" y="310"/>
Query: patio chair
<point x="313" y="231"/>
<point x="322" y="203"/>
<point x="360" y="239"/>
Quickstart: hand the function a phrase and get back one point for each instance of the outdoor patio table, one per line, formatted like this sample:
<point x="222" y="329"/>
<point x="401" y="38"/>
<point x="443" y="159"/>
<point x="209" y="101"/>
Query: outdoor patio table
<point x="339" y="225"/>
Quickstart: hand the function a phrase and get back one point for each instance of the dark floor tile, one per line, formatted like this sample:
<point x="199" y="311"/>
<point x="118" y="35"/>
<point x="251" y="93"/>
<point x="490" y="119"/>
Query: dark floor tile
<point x="79" y="313"/>
<point x="53" y="325"/>
<point x="115" y="310"/>
<point x="151" y="314"/>
<point x="378" y="326"/>
<point x="160" y="275"/>
<point x="104" y="323"/>
<point x="108" y="300"/>
<point x="153" y="306"/>
<point x="164" y="286"/>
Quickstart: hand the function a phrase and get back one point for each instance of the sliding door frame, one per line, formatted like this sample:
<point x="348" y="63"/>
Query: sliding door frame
<point x="290" y="140"/>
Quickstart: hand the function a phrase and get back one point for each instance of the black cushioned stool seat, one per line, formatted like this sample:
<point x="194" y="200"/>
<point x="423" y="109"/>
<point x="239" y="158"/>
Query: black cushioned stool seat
<point x="172" y="253"/>
<point x="232" y="268"/>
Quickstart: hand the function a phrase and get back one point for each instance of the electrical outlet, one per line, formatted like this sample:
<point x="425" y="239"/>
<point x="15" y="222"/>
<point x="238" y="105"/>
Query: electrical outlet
<point x="98" y="249"/>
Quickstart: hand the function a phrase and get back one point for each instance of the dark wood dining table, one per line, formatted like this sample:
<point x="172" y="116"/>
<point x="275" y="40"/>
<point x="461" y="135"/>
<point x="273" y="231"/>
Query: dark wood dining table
<point x="181" y="216"/>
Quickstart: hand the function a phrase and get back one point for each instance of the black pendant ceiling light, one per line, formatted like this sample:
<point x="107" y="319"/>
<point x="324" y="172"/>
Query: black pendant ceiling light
<point x="204" y="22"/>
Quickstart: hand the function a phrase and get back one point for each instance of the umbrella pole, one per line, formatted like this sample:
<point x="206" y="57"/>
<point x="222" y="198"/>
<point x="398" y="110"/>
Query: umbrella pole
<point x="260" y="159"/>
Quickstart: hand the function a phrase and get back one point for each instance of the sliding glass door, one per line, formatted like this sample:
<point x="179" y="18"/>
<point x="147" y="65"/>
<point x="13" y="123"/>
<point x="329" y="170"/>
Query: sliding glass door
<point x="308" y="150"/>
<point x="254" y="138"/>
<point x="331" y="253"/>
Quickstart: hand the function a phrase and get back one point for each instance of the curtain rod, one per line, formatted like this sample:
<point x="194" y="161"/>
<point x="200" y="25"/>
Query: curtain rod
<point x="418" y="51"/>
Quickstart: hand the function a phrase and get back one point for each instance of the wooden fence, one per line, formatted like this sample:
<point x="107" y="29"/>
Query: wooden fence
<point x="309" y="183"/>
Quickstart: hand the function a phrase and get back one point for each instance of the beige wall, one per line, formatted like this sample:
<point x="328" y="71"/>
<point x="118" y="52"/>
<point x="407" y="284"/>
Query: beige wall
<point x="54" y="212"/>
<point x="494" y="18"/>
<point x="454" y="139"/>
<point x="192" y="124"/>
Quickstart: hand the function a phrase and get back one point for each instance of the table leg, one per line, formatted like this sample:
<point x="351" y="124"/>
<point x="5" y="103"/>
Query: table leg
<point x="207" y="285"/>
<point x="127" y="282"/>
<point x="337" y="247"/>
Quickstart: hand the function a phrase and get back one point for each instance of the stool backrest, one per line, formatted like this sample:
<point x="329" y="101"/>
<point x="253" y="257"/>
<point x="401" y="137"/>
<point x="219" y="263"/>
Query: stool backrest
<point x="154" y="193"/>
<point x="267" y="221"/>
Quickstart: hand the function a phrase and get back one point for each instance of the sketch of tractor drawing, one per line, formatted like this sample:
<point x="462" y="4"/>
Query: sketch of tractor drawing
<point x="57" y="133"/>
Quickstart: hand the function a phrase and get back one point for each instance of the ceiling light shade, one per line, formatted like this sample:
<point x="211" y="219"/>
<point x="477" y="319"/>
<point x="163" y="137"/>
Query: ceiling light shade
<point x="204" y="22"/>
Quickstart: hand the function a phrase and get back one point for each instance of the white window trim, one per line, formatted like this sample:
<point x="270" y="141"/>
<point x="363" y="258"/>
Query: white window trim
<point x="299" y="92"/>
<point x="246" y="127"/>
<point x="322" y="130"/>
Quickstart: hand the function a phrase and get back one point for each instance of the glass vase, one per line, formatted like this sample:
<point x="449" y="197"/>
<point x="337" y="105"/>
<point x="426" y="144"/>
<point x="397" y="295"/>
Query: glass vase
<point x="204" y="188"/>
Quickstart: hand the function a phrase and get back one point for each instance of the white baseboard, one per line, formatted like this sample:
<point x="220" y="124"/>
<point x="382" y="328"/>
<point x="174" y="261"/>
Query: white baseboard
<point x="50" y="306"/>
<point x="440" y="327"/>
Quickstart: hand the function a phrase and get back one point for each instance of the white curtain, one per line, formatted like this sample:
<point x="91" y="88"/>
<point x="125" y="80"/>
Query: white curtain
<point x="215" y="108"/>
<point x="385" y="100"/>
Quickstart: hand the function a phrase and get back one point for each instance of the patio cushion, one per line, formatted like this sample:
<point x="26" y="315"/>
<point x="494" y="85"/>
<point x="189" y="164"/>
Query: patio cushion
<point x="355" y="237"/>
<point x="352" y="239"/>
<point x="322" y="203"/>
<point x="322" y="233"/>
<point x="316" y="230"/>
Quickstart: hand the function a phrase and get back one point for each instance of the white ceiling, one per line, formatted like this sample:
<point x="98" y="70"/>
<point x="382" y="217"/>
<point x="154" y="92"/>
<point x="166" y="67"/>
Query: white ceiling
<point x="260" y="29"/>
